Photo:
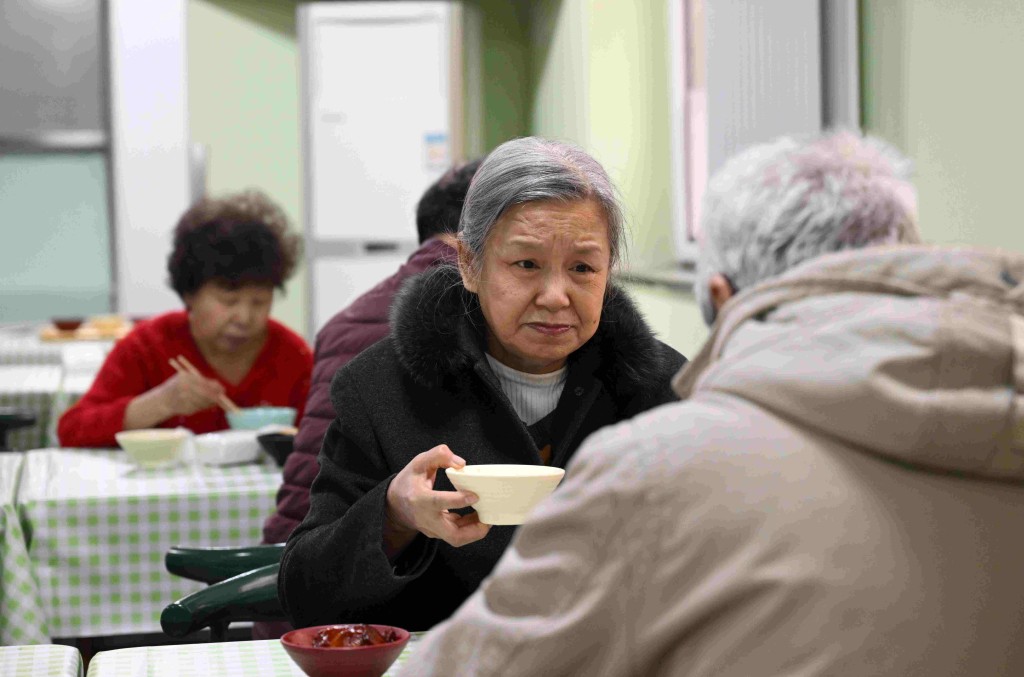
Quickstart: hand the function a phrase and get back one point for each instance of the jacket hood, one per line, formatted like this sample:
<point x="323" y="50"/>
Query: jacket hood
<point x="438" y="331"/>
<point x="913" y="353"/>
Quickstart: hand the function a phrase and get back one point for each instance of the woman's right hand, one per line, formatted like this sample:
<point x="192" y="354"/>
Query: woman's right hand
<point x="413" y="505"/>
<point x="184" y="394"/>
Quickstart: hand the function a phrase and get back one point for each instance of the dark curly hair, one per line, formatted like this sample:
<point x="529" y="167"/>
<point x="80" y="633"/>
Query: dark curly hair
<point x="236" y="240"/>
<point x="439" y="209"/>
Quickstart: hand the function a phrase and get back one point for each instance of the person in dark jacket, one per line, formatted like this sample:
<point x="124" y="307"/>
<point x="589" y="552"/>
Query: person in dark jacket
<point x="355" y="328"/>
<point x="514" y="356"/>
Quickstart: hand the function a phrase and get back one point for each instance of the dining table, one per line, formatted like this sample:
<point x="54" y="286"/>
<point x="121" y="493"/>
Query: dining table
<point x="98" y="528"/>
<point x="261" y="658"/>
<point x="40" y="660"/>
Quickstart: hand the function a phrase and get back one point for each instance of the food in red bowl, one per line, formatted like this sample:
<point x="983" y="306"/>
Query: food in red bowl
<point x="68" y="323"/>
<point x="345" y="650"/>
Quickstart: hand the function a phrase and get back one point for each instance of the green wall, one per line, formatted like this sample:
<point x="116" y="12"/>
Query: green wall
<point x="244" y="105"/>
<point x="941" y="81"/>
<point x="500" y="55"/>
<point x="559" y="73"/>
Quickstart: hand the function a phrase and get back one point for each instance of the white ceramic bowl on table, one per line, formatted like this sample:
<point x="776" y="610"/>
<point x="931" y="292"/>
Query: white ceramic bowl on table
<point x="227" y="447"/>
<point x="153" y="447"/>
<point x="507" y="492"/>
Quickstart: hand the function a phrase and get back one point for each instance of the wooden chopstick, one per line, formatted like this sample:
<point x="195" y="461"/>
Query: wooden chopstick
<point x="182" y="365"/>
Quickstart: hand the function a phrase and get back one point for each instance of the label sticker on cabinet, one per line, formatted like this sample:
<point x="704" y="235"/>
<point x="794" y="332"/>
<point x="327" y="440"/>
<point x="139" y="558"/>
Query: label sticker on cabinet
<point x="435" y="147"/>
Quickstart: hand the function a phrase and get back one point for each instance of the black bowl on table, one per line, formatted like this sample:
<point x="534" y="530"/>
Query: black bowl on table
<point x="278" y="445"/>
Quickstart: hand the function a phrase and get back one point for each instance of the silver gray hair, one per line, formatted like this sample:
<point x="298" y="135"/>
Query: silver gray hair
<point x="776" y="205"/>
<point x="532" y="169"/>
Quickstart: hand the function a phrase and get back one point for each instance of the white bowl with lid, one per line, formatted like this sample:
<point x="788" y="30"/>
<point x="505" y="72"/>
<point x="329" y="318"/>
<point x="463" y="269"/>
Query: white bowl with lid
<point x="227" y="447"/>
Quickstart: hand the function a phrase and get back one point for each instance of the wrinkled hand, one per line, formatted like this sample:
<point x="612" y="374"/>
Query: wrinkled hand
<point x="413" y="505"/>
<point x="185" y="394"/>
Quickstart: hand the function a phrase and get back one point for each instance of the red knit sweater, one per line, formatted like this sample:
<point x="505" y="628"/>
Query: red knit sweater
<point x="139" y="362"/>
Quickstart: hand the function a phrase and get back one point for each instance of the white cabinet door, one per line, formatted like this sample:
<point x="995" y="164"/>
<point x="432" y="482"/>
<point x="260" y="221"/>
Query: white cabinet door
<point x="377" y="114"/>
<point x="378" y="103"/>
<point x="340" y="281"/>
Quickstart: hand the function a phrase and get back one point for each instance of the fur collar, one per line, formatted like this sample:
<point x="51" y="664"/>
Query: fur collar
<point x="437" y="329"/>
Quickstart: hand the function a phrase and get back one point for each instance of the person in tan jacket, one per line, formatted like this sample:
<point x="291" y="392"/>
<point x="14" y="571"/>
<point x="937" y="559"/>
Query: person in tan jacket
<point x="841" y="492"/>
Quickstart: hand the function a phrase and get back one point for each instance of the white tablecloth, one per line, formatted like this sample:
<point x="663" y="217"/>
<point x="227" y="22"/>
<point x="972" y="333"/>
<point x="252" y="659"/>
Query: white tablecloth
<point x="21" y="345"/>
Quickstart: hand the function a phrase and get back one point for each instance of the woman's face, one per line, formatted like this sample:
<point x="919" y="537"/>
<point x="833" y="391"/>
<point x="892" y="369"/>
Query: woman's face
<point x="541" y="281"/>
<point x="227" y="320"/>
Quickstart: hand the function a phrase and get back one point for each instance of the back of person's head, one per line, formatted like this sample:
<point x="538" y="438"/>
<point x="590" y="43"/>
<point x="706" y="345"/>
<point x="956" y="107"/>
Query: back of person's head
<point x="776" y="205"/>
<point x="439" y="209"/>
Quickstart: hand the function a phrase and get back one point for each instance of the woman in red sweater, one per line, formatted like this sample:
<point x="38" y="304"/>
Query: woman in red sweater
<point x="228" y="257"/>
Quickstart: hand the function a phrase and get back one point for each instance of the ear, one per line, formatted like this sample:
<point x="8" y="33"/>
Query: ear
<point x="188" y="299"/>
<point x="720" y="290"/>
<point x="469" y="275"/>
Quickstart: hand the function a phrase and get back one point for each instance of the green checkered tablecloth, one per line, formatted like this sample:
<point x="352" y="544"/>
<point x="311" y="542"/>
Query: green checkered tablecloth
<point x="265" y="658"/>
<point x="40" y="661"/>
<point x="100" y="528"/>
<point x="30" y="387"/>
<point x="19" y="591"/>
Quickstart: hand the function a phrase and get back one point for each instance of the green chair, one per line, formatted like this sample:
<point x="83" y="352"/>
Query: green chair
<point x="242" y="586"/>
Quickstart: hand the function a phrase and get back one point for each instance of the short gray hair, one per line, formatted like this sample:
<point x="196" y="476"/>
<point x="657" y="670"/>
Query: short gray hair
<point x="532" y="169"/>
<point x="776" y="205"/>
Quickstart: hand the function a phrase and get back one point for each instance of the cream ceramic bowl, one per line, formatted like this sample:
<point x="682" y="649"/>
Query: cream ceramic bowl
<point x="227" y="447"/>
<point x="507" y="492"/>
<point x="153" y="447"/>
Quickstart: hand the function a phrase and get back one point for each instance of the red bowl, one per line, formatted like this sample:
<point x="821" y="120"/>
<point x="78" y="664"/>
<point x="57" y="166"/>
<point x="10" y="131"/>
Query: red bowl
<point x="350" y="661"/>
<point x="68" y="323"/>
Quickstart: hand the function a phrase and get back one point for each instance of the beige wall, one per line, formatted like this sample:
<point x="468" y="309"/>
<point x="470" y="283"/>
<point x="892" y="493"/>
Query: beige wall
<point x="942" y="82"/>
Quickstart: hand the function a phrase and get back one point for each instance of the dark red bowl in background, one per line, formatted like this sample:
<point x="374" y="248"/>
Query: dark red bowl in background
<point x="67" y="323"/>
<point x="352" y="661"/>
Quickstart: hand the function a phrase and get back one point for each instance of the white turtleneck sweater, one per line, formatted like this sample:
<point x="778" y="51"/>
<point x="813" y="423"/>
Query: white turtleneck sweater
<point x="533" y="396"/>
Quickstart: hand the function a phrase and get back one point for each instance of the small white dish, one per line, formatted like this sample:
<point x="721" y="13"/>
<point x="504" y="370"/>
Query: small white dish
<point x="153" y="447"/>
<point x="228" y="447"/>
<point x="507" y="492"/>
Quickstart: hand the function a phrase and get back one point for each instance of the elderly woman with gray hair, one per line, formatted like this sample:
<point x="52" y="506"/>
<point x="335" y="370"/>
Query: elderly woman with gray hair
<point x="514" y="356"/>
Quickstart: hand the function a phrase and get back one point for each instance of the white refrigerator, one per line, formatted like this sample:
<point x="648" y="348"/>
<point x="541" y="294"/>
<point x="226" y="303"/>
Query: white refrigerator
<point x="381" y="96"/>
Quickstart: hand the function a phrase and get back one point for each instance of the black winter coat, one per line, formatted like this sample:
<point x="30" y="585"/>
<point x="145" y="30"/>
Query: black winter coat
<point x="429" y="383"/>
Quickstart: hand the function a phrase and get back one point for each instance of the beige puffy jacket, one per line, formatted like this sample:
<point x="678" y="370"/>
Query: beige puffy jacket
<point x="841" y="493"/>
